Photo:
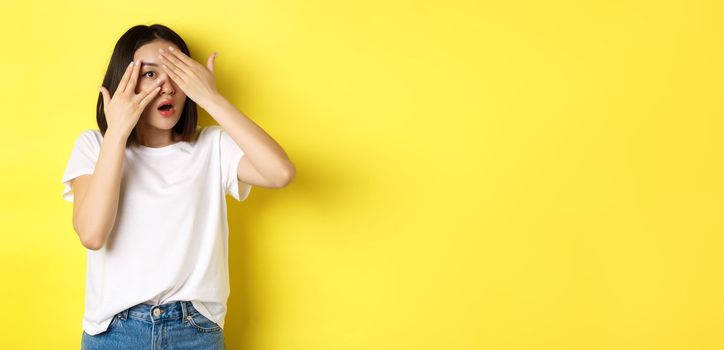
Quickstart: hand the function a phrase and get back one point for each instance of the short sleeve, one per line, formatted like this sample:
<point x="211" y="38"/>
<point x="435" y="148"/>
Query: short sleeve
<point x="82" y="160"/>
<point x="231" y="155"/>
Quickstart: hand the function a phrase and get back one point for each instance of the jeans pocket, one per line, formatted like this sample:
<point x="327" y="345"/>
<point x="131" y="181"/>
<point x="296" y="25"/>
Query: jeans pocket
<point x="114" y="322"/>
<point x="201" y="323"/>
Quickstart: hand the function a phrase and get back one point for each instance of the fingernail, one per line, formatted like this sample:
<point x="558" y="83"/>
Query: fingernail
<point x="171" y="48"/>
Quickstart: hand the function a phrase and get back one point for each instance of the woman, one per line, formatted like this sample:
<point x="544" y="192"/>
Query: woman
<point x="148" y="191"/>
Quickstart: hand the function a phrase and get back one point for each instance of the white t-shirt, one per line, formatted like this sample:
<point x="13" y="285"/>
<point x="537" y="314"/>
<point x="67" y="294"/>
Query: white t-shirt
<point x="170" y="238"/>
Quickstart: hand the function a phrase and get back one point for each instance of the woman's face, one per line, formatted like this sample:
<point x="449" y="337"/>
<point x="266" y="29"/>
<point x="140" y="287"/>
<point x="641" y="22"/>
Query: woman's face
<point x="151" y="70"/>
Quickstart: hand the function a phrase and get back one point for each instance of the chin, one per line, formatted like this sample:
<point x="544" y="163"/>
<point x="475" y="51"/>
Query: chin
<point x="166" y="124"/>
<point x="159" y="122"/>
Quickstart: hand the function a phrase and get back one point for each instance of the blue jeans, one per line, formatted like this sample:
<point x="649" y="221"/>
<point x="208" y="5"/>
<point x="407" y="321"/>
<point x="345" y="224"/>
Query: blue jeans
<point x="172" y="326"/>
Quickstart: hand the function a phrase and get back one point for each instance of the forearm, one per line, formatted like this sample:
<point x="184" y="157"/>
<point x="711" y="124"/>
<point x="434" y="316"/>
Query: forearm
<point x="262" y="150"/>
<point x="99" y="204"/>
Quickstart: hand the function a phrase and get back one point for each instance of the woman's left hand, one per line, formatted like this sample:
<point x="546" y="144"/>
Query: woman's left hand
<point x="196" y="81"/>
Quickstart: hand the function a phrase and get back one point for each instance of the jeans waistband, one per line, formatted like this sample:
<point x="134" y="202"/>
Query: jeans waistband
<point x="157" y="313"/>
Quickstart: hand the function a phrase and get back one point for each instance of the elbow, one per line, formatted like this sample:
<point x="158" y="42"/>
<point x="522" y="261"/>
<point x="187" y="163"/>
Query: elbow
<point x="89" y="241"/>
<point x="92" y="242"/>
<point x="286" y="177"/>
<point x="92" y="245"/>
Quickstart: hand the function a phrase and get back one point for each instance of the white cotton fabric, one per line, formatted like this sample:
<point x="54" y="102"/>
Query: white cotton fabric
<point x="170" y="238"/>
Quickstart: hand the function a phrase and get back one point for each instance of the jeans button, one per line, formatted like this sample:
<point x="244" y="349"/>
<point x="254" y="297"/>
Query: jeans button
<point x="156" y="312"/>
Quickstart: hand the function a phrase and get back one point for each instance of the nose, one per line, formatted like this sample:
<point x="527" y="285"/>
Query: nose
<point x="166" y="86"/>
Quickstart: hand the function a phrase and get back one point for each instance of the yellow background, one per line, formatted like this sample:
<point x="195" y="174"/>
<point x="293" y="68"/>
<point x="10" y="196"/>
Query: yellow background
<point x="470" y="174"/>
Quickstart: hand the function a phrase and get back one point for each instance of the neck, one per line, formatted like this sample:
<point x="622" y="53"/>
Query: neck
<point x="149" y="136"/>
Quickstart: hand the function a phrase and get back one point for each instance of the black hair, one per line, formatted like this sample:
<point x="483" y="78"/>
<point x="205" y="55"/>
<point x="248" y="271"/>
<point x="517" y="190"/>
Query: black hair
<point x="122" y="55"/>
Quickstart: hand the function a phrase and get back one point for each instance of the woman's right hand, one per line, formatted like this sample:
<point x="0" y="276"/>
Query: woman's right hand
<point x="123" y="110"/>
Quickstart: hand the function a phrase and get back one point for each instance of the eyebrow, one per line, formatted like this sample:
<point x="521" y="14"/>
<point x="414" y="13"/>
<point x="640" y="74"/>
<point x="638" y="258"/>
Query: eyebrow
<point x="149" y="64"/>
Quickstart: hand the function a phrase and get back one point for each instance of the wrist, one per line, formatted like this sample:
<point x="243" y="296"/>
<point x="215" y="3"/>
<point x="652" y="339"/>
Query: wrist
<point x="213" y="104"/>
<point x="114" y="136"/>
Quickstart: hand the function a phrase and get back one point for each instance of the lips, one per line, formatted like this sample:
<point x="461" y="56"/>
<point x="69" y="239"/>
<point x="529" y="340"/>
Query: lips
<point x="165" y="105"/>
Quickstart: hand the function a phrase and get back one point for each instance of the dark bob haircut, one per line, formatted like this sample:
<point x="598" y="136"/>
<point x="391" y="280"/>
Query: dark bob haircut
<point x="123" y="53"/>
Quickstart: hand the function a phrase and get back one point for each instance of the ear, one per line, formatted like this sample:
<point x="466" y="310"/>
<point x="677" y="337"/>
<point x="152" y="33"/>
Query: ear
<point x="210" y="62"/>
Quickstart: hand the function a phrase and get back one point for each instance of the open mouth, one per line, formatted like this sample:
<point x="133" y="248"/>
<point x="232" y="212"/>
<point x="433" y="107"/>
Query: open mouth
<point x="166" y="109"/>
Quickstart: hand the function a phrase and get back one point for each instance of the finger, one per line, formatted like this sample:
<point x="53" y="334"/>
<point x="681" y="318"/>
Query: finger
<point x="210" y="62"/>
<point x="131" y="87"/>
<point x="106" y="96"/>
<point x="181" y="56"/>
<point x="156" y="85"/>
<point x="175" y="78"/>
<point x="171" y="60"/>
<point x="124" y="78"/>
<point x="150" y="95"/>
<point x="174" y="72"/>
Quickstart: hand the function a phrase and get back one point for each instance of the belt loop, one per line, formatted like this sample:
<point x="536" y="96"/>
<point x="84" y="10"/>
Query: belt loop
<point x="183" y="310"/>
<point x="123" y="314"/>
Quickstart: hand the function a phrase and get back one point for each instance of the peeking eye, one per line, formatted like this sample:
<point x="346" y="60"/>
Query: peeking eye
<point x="146" y="74"/>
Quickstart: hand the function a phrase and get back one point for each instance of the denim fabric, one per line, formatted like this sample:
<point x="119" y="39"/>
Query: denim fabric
<point x="178" y="325"/>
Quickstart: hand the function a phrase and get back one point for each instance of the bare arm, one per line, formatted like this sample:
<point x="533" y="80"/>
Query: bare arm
<point x="95" y="199"/>
<point x="95" y="202"/>
<point x="264" y="163"/>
